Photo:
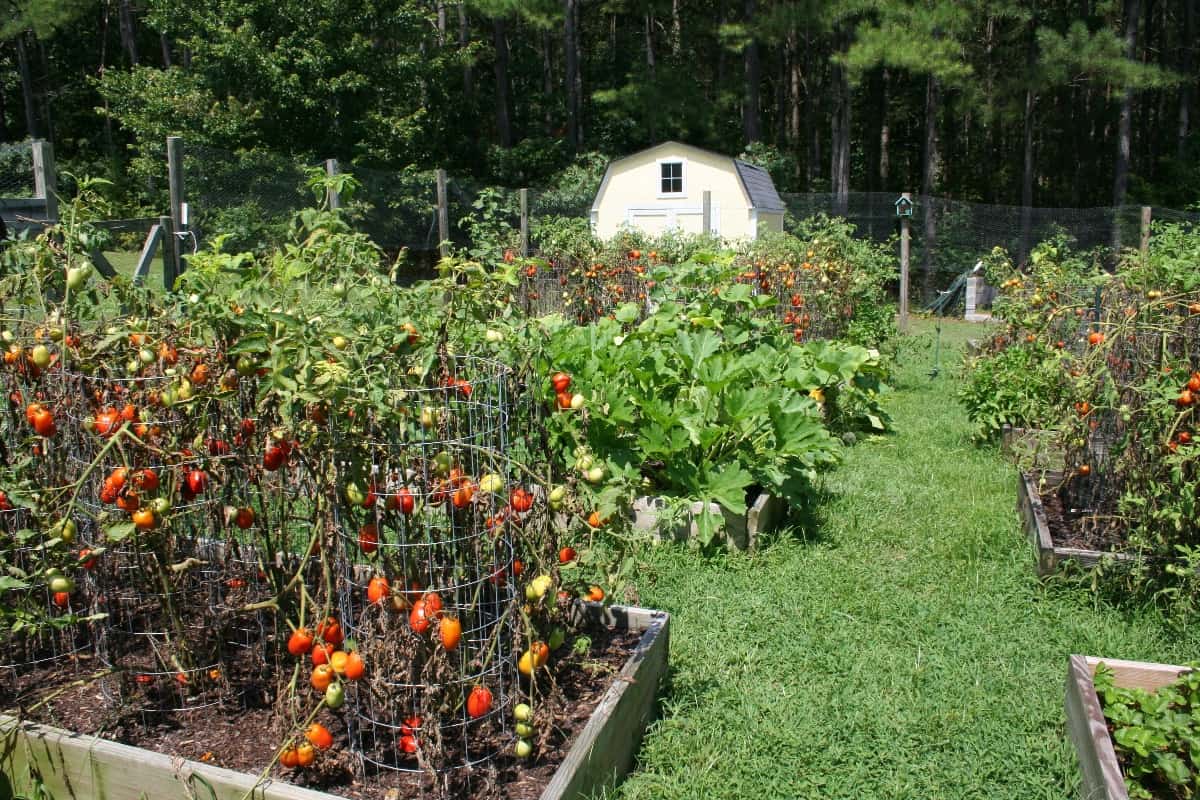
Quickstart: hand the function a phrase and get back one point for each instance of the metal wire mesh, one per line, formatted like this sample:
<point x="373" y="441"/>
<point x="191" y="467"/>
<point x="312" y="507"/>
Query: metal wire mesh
<point x="16" y="170"/>
<point x="433" y="526"/>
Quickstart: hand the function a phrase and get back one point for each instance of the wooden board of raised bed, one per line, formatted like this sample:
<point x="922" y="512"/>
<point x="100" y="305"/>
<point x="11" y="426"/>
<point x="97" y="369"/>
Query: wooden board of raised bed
<point x="1037" y="528"/>
<point x="740" y="531"/>
<point x="1098" y="765"/>
<point x="72" y="766"/>
<point x="1031" y="447"/>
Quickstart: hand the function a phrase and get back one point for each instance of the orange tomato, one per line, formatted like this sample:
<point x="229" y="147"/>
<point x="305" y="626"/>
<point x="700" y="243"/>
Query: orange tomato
<point x="322" y="676"/>
<point x="319" y="736"/>
<point x="451" y="632"/>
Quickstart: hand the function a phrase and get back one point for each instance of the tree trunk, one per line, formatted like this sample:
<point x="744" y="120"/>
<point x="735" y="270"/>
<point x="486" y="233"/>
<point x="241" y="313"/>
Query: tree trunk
<point x="441" y="23"/>
<point x="1027" y="178"/>
<point x="3" y="115"/>
<point x="27" y="94"/>
<point x="930" y="174"/>
<point x="128" y="30"/>
<point x="1189" y="80"/>
<point x="885" y="133"/>
<point x="676" y="28"/>
<point x="464" y="39"/>
<point x="751" y="115"/>
<point x="503" y="117"/>
<point x="1133" y="9"/>
<point x="649" y="31"/>
<point x="839" y="142"/>
<point x="571" y="78"/>
<point x="166" y="50"/>
<point x="796" y="91"/>
<point x="547" y="84"/>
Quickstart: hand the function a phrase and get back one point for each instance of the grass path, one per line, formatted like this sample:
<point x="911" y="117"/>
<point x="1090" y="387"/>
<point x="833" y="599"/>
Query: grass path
<point x="904" y="650"/>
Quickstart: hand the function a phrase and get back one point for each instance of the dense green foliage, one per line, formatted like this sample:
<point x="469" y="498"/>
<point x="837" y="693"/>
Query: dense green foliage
<point x="512" y="93"/>
<point x="1155" y="734"/>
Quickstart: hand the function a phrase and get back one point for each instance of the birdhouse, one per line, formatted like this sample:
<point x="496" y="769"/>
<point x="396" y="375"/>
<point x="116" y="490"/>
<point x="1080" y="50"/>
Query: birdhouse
<point x="904" y="206"/>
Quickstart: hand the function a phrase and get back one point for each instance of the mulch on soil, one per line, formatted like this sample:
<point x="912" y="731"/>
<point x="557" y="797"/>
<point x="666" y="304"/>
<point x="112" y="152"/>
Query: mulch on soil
<point x="1068" y="529"/>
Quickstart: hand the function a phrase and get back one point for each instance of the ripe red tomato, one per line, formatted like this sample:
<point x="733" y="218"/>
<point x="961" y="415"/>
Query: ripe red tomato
<point x="411" y="725"/>
<point x="1095" y="338"/>
<point x="378" y="590"/>
<point x="451" y="632"/>
<point x="43" y="422"/>
<point x="564" y="400"/>
<point x="463" y="494"/>
<point x="520" y="499"/>
<point x="146" y="479"/>
<point x="62" y="599"/>
<point x="300" y="642"/>
<point x="561" y="381"/>
<point x="408" y="743"/>
<point x="419" y="618"/>
<point x="289" y="758"/>
<point x="368" y="538"/>
<point x="354" y="668"/>
<point x="107" y="422"/>
<point x="433" y="604"/>
<point x="274" y="457"/>
<point x="321" y="651"/>
<point x="197" y="481"/>
<point x="595" y="594"/>
<point x="244" y="517"/>
<point x="319" y="736"/>
<point x="1185" y="398"/>
<point x="479" y="702"/>
<point x="566" y="555"/>
<point x="1193" y="383"/>
<point x="85" y="561"/>
<point x="402" y="501"/>
<point x="331" y="631"/>
<point x="322" y="676"/>
<point x="305" y="755"/>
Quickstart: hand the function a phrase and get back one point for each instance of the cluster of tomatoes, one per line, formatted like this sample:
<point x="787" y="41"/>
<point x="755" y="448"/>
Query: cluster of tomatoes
<point x="563" y="398"/>
<point x="331" y="668"/>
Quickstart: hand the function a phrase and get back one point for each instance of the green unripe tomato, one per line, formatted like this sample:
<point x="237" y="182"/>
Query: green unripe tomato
<point x="595" y="474"/>
<point x="335" y="696"/>
<point x="523" y="748"/>
<point x="246" y="366"/>
<point x="41" y="356"/>
<point x="577" y="401"/>
<point x="146" y="355"/>
<point x="522" y="712"/>
<point x="340" y="342"/>
<point x="160" y="505"/>
<point x="558" y="497"/>
<point x="65" y="529"/>
<point x="355" y="494"/>
<point x="524" y="730"/>
<point x="61" y="583"/>
<point x="77" y="277"/>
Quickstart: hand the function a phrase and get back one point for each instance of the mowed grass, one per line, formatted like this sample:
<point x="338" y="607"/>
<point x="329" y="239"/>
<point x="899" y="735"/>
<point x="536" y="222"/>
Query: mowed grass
<point x="901" y="649"/>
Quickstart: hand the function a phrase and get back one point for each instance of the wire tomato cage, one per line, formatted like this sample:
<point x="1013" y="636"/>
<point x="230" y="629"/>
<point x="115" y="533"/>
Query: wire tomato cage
<point x="425" y="588"/>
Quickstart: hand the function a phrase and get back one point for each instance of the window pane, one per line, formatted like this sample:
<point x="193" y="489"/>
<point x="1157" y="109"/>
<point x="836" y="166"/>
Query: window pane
<point x="672" y="177"/>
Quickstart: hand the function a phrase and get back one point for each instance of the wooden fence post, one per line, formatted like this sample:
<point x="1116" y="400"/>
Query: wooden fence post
<point x="45" y="177"/>
<point x="1145" y="241"/>
<point x="170" y="250"/>
<point x="905" y="240"/>
<point x="178" y="226"/>
<point x="332" y="198"/>
<point x="443" y="215"/>
<point x="706" y="212"/>
<point x="524" y="195"/>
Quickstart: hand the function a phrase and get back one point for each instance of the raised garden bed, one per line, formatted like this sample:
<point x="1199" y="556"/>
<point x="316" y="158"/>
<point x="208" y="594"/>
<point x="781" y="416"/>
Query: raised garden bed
<point x="740" y="531"/>
<point x="71" y="765"/>
<point x="1101" y="771"/>
<point x="1038" y="530"/>
<point x="1031" y="447"/>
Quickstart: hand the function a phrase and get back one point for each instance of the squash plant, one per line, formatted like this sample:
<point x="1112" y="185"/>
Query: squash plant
<point x="705" y="398"/>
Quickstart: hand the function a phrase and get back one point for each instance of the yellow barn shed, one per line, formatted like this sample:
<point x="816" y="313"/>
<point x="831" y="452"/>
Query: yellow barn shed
<point x="663" y="187"/>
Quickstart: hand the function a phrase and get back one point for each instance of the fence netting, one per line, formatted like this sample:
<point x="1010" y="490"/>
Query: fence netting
<point x="16" y="170"/>
<point x="252" y="197"/>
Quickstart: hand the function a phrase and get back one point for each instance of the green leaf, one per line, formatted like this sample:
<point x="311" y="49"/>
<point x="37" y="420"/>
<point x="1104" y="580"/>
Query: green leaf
<point x="118" y="532"/>
<point x="8" y="583"/>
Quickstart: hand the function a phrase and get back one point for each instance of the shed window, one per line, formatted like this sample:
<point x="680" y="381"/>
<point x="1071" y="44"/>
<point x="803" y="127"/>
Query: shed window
<point x="672" y="177"/>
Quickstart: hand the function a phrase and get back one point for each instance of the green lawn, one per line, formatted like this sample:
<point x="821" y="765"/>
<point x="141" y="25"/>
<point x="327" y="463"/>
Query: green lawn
<point x="125" y="262"/>
<point x="902" y="649"/>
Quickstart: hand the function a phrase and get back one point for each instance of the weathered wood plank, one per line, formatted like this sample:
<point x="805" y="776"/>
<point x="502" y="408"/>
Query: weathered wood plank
<point x="153" y="239"/>
<point x="604" y="750"/>
<point x="1098" y="764"/>
<point x="76" y="767"/>
<point x="103" y="266"/>
<point x="740" y="530"/>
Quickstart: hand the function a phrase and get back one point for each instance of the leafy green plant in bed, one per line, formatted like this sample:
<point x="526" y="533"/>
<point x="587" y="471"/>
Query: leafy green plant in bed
<point x="705" y="399"/>
<point x="1023" y="385"/>
<point x="1156" y="735"/>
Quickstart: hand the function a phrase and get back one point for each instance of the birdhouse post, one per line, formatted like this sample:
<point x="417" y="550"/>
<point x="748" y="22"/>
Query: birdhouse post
<point x="904" y="210"/>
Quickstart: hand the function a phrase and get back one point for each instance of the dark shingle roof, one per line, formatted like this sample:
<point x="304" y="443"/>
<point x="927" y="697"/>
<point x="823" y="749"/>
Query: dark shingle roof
<point x="759" y="186"/>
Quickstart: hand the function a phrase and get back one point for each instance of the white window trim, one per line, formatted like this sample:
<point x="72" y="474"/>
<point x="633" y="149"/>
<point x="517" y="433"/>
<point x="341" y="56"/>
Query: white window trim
<point x="658" y="177"/>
